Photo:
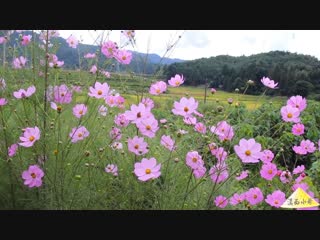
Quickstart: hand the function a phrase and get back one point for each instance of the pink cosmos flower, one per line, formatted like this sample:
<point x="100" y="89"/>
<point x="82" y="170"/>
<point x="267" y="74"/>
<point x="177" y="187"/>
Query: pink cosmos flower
<point x="176" y="81"/>
<point x="3" y="40"/>
<point x="53" y="61"/>
<point x="285" y="177"/>
<point x="148" y="103"/>
<point x="308" y="146"/>
<point x="19" y="62"/>
<point x="297" y="102"/>
<point x="199" y="172"/>
<point x="303" y="186"/>
<point x="72" y="41"/>
<point x="189" y="120"/>
<point x="111" y="100"/>
<point x="137" y="113"/>
<point x="268" y="171"/>
<point x="319" y="144"/>
<point x="167" y="142"/>
<point x="2" y="84"/>
<point x="299" y="169"/>
<point x="33" y="176"/>
<point x="299" y="150"/>
<point x="116" y="146"/>
<point x="115" y="133"/>
<point x="148" y="127"/>
<point x="185" y="107"/>
<point x="221" y="201"/>
<point x="194" y="159"/>
<point x="213" y="90"/>
<point x="112" y="168"/>
<point x="158" y="88"/>
<point x="12" y="150"/>
<point x="25" y="93"/>
<point x="147" y="169"/>
<point x="120" y="101"/>
<point x="109" y="49"/>
<point x="269" y="83"/>
<point x="137" y="145"/>
<point x="90" y="55"/>
<point x="93" y="69"/>
<point x="290" y="114"/>
<point x="3" y="101"/>
<point x="200" y="127"/>
<point x="254" y="196"/>
<point x="218" y="173"/>
<point x="99" y="90"/>
<point x="276" y="199"/>
<point x="223" y="130"/>
<point x="26" y="39"/>
<point x="30" y="135"/>
<point x="120" y="120"/>
<point x="76" y="89"/>
<point x="62" y="94"/>
<point x="79" y="110"/>
<point x="236" y="199"/>
<point x="298" y="129"/>
<point x="221" y="154"/>
<point x="267" y="156"/>
<point x="163" y="120"/>
<point x="123" y="56"/>
<point x="300" y="178"/>
<point x="243" y="175"/>
<point x="213" y="147"/>
<point x="103" y="110"/>
<point x="249" y="151"/>
<point x="78" y="133"/>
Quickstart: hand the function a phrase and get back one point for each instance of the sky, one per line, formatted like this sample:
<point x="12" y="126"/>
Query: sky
<point x="195" y="44"/>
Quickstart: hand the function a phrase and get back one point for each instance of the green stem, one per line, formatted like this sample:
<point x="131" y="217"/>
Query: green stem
<point x="185" y="194"/>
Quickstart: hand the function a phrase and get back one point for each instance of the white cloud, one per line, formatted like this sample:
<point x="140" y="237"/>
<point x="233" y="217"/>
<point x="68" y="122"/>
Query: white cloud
<point x="206" y="43"/>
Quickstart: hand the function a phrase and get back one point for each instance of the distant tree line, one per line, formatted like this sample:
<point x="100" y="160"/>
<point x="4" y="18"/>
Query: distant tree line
<point x="296" y="73"/>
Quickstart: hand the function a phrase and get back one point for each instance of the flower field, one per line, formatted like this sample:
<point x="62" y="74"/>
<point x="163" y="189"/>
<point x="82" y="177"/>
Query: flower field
<point x="95" y="139"/>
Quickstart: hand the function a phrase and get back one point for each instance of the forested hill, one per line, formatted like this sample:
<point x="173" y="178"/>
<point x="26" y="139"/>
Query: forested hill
<point x="296" y="73"/>
<point x="141" y="62"/>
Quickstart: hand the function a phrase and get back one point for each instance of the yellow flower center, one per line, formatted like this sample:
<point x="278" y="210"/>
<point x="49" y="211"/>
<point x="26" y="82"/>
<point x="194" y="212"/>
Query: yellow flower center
<point x="148" y="171"/>
<point x="59" y="108"/>
<point x="276" y="202"/>
<point x="136" y="146"/>
<point x="62" y="94"/>
<point x="194" y="160"/>
<point x="124" y="58"/>
<point x="139" y="115"/>
<point x="80" y="112"/>
<point x="33" y="175"/>
<point x="99" y="92"/>
<point x="248" y="152"/>
<point x="80" y="135"/>
<point x="255" y="196"/>
<point x="148" y="127"/>
<point x="289" y="115"/>
<point x="270" y="171"/>
<point x="186" y="109"/>
<point x="158" y="90"/>
<point x="177" y="83"/>
<point x="31" y="138"/>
